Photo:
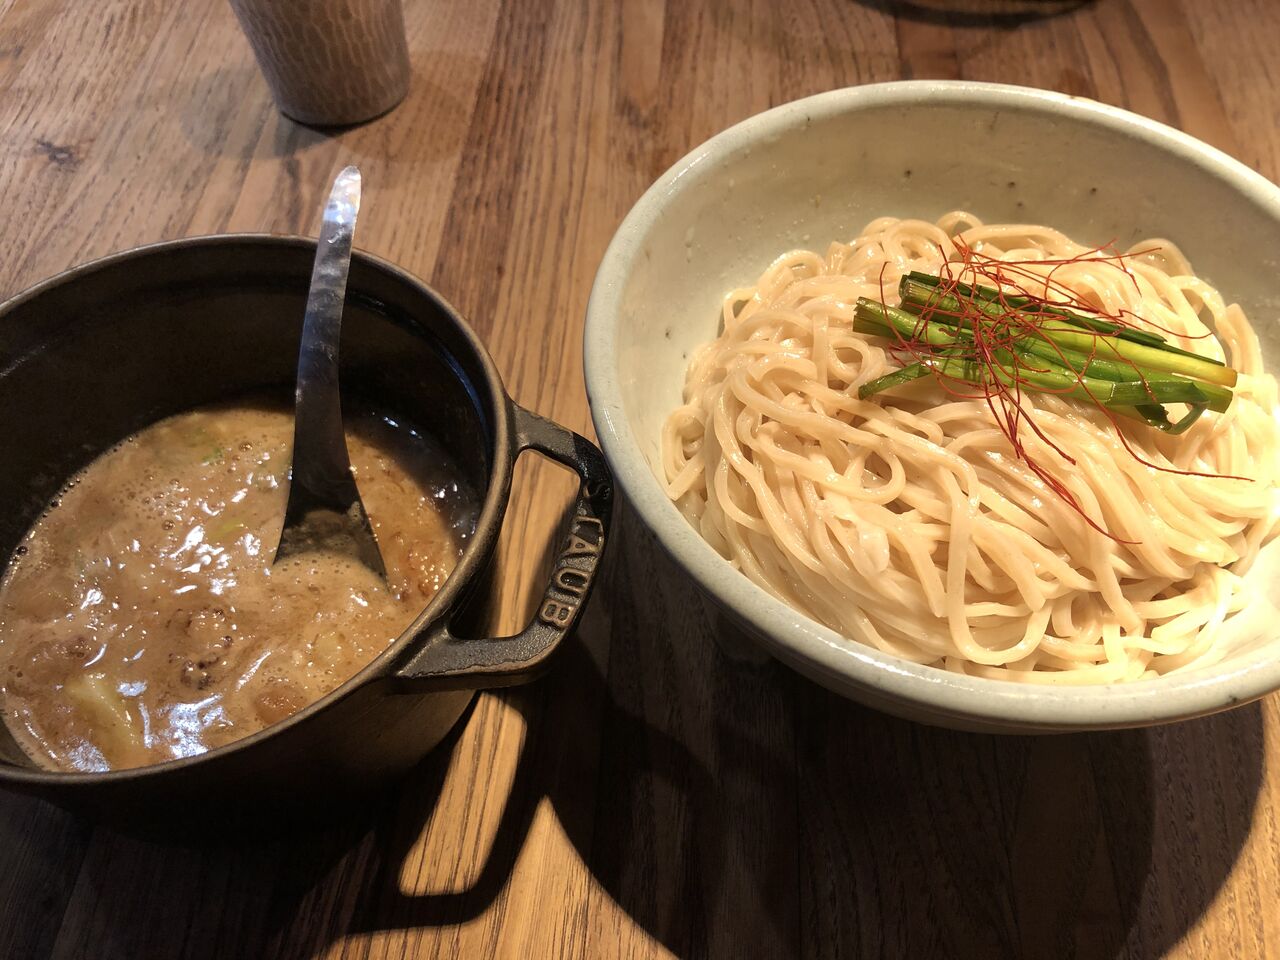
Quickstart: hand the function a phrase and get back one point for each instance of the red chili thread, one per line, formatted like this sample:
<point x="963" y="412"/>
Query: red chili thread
<point x="997" y="332"/>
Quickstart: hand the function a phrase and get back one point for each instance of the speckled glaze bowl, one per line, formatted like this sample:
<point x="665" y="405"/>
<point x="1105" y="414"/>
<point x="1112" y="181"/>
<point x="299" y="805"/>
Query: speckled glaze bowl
<point x="819" y="169"/>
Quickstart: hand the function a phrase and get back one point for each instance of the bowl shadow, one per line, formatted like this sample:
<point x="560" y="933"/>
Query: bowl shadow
<point x="741" y="810"/>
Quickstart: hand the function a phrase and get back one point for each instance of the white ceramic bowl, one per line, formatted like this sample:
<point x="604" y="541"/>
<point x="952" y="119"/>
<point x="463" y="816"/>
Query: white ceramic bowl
<point x="819" y="169"/>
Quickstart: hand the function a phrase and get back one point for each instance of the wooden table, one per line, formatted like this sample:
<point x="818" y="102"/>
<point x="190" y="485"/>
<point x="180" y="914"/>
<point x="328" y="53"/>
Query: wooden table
<point x="659" y="794"/>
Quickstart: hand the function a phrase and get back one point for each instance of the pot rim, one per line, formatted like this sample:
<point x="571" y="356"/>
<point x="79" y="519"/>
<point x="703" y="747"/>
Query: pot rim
<point x="470" y="565"/>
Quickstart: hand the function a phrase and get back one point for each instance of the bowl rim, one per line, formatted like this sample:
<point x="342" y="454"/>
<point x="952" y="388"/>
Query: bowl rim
<point x="491" y="509"/>
<point x="813" y="649"/>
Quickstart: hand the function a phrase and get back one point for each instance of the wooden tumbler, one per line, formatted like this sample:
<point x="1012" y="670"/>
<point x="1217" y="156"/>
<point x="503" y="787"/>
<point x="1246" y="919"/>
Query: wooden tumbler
<point x="329" y="62"/>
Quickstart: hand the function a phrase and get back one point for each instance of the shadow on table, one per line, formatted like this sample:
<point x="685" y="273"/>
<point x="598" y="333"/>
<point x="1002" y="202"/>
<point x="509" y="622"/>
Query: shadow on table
<point x="731" y="808"/>
<point x="209" y="104"/>
<point x="291" y="897"/>
<point x="975" y="13"/>
<point x="741" y="809"/>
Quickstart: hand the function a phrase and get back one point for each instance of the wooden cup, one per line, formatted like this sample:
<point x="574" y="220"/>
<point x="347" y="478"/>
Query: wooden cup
<point x="329" y="62"/>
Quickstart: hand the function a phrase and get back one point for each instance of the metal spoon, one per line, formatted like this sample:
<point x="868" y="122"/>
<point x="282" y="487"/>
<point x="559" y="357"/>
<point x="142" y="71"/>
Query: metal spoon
<point x="324" y="512"/>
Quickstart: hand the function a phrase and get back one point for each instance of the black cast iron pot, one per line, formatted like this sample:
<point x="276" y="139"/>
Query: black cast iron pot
<point x="100" y="351"/>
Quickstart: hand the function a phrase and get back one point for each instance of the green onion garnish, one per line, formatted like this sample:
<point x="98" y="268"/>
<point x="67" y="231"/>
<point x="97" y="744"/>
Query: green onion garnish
<point x="1004" y="344"/>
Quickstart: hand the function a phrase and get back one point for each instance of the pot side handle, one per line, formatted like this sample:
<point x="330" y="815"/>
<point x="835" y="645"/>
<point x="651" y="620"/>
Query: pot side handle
<point x="446" y="662"/>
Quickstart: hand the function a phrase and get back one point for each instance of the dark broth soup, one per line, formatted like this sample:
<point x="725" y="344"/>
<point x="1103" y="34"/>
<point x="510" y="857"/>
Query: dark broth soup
<point x="141" y="619"/>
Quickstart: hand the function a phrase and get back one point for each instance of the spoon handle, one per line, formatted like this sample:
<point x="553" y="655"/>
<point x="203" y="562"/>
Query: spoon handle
<point x="321" y="465"/>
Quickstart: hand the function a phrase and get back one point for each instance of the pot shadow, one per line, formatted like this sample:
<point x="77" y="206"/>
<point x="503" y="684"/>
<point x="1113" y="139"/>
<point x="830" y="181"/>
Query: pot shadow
<point x="728" y="807"/>
<point x="41" y="846"/>
<point x="188" y="897"/>
<point x="976" y="13"/>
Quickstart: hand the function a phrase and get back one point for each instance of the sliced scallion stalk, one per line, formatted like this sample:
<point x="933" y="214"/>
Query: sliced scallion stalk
<point x="991" y="294"/>
<point x="950" y="311"/>
<point x="912" y="371"/>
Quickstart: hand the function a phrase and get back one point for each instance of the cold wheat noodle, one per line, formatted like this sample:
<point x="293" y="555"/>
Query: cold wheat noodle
<point x="907" y="521"/>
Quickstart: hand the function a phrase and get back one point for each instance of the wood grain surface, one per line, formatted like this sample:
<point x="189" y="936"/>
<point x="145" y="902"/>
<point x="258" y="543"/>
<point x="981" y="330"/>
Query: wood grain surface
<point x="662" y="792"/>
